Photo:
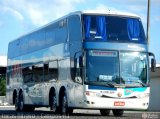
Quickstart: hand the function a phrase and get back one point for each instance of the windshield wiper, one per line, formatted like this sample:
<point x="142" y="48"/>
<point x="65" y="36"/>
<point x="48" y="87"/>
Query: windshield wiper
<point x="144" y="85"/>
<point x="140" y="82"/>
<point x="134" y="81"/>
<point x="108" y="84"/>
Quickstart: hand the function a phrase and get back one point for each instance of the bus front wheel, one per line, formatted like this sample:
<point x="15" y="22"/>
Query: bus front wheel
<point x="118" y="112"/>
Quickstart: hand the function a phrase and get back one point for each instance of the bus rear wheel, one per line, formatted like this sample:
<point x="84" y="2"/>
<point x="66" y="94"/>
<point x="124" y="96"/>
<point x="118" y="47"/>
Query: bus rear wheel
<point x="64" y="106"/>
<point x="118" y="112"/>
<point x="21" y="102"/>
<point x="29" y="108"/>
<point x="53" y="103"/>
<point x="70" y="111"/>
<point x="16" y="103"/>
<point x="105" y="112"/>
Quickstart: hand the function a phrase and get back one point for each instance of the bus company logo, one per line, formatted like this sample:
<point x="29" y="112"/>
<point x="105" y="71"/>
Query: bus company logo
<point x="119" y="94"/>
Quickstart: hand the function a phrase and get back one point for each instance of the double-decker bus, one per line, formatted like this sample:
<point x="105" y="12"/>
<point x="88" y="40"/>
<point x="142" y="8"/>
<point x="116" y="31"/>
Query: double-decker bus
<point x="84" y="60"/>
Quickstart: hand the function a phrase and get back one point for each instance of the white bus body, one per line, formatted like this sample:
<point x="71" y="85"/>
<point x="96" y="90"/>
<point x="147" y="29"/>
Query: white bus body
<point x="61" y="66"/>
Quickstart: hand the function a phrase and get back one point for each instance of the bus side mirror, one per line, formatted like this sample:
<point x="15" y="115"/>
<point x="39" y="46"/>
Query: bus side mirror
<point x="153" y="65"/>
<point x="78" y="64"/>
<point x="80" y="61"/>
<point x="153" y="62"/>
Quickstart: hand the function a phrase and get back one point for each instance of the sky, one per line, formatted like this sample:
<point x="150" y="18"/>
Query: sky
<point x="18" y="17"/>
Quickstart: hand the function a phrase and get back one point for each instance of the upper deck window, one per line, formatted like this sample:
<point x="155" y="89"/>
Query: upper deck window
<point x="113" y="29"/>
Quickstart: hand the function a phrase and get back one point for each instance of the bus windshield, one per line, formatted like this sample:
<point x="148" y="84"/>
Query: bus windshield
<point x="113" y="29"/>
<point x="111" y="68"/>
<point x="133" y="67"/>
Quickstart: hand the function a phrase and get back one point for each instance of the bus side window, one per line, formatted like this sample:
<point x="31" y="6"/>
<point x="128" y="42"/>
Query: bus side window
<point x="38" y="73"/>
<point x="53" y="70"/>
<point x="27" y="74"/>
<point x="8" y="77"/>
<point x="46" y="71"/>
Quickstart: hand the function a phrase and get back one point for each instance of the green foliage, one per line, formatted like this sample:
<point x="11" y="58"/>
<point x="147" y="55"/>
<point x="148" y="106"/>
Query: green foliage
<point x="2" y="86"/>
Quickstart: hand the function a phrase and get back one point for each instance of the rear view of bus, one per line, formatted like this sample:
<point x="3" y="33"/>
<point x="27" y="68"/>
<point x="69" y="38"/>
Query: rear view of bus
<point x="116" y="63"/>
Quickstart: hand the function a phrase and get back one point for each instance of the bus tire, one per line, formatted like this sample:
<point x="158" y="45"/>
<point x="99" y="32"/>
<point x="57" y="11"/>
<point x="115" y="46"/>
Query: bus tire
<point x="117" y="112"/>
<point x="64" y="105"/>
<point x="53" y="103"/>
<point x="105" y="112"/>
<point x="29" y="108"/>
<point x="17" y="103"/>
<point x="21" y="102"/>
<point x="58" y="110"/>
<point x="70" y="111"/>
<point x="32" y="108"/>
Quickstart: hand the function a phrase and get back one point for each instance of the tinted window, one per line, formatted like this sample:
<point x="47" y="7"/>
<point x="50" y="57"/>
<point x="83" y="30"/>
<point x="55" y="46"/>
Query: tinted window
<point x="113" y="29"/>
<point x="61" y="31"/>
<point x="27" y="75"/>
<point x="13" y="50"/>
<point x="74" y="28"/>
<point x="133" y="67"/>
<point x="38" y="72"/>
<point x="46" y="72"/>
<point x="101" y="65"/>
<point x="53" y="70"/>
<point x="50" y="34"/>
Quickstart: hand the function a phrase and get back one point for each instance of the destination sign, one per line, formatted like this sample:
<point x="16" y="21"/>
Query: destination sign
<point x="103" y="53"/>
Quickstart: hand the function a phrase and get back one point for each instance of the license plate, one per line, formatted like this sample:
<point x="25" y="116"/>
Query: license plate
<point x="119" y="103"/>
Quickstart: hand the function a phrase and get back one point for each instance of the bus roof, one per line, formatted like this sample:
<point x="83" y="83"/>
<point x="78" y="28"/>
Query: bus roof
<point x="106" y="12"/>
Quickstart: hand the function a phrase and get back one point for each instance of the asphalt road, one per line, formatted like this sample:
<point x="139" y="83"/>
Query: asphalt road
<point x="44" y="113"/>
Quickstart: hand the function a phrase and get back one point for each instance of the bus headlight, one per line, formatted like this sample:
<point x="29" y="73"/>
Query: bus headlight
<point x="93" y="94"/>
<point x="144" y="95"/>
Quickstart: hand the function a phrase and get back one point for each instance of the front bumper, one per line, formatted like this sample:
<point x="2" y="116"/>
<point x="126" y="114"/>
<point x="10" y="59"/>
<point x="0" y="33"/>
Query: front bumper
<point x="112" y="103"/>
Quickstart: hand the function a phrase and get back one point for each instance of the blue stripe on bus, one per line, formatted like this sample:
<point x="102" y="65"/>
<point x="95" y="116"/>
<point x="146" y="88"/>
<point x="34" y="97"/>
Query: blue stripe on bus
<point x="128" y="91"/>
<point x="100" y="88"/>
